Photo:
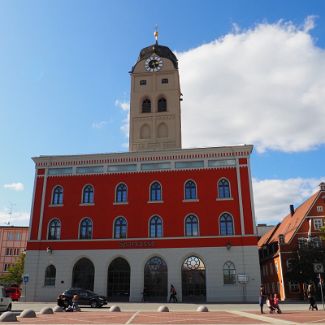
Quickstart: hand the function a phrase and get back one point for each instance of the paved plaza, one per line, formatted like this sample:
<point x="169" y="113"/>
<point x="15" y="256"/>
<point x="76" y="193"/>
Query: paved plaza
<point x="146" y="313"/>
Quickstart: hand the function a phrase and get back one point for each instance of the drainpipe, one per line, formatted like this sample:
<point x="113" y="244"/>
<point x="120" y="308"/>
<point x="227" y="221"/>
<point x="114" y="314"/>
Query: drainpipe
<point x="282" y="279"/>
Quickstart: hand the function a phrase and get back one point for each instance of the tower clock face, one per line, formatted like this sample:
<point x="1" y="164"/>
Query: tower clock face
<point x="153" y="64"/>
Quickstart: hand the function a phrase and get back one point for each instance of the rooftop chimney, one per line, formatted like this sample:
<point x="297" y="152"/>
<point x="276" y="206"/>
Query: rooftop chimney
<point x="322" y="186"/>
<point x="292" y="209"/>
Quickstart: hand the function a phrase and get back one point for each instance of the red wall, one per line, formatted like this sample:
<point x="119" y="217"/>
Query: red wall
<point x="138" y="211"/>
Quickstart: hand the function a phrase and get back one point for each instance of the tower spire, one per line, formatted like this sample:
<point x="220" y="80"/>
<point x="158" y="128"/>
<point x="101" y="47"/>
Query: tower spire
<point x="156" y="34"/>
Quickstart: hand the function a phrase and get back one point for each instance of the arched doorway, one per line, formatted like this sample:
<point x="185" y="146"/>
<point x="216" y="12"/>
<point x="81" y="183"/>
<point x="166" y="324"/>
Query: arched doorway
<point x="83" y="274"/>
<point x="155" y="280"/>
<point x="118" y="280"/>
<point x="193" y="280"/>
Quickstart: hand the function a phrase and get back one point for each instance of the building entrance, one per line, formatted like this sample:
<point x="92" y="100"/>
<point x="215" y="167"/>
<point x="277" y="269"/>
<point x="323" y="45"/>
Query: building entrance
<point x="193" y="280"/>
<point x="118" y="280"/>
<point x="83" y="274"/>
<point x="155" y="280"/>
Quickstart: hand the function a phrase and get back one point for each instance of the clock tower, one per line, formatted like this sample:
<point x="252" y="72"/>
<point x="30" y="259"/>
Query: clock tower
<point x="155" y="112"/>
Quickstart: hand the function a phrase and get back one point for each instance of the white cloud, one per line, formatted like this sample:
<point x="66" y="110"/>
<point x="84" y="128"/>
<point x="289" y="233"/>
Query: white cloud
<point x="263" y="86"/>
<point x="15" y="219"/>
<point x="125" y="106"/>
<point x="14" y="186"/>
<point x="273" y="196"/>
<point x="99" y="125"/>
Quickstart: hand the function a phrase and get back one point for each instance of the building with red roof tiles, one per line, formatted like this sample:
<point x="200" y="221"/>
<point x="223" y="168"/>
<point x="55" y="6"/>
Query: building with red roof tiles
<point x="292" y="253"/>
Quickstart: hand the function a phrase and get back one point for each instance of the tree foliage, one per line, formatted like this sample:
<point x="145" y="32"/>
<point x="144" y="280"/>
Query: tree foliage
<point x="15" y="272"/>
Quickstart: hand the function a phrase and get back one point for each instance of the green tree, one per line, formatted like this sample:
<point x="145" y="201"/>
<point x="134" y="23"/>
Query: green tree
<point x="15" y="272"/>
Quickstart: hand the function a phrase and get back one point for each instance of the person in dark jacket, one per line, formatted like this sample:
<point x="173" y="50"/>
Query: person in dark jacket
<point x="172" y="294"/>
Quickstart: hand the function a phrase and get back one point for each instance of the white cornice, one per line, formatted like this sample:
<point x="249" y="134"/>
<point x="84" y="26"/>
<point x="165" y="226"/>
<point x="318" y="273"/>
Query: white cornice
<point x="240" y="151"/>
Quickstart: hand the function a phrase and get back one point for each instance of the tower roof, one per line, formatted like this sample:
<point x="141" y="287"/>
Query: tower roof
<point x="160" y="50"/>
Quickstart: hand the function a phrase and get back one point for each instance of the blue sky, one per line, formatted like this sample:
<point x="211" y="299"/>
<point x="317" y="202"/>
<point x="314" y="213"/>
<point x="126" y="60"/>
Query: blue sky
<point x="64" y="79"/>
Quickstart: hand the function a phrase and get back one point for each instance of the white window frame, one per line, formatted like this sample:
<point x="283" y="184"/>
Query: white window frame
<point x="318" y="222"/>
<point x="294" y="285"/>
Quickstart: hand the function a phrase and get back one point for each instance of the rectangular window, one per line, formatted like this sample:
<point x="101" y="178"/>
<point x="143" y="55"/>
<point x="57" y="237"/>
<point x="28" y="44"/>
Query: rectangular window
<point x="143" y="82"/>
<point x="220" y="163"/>
<point x="10" y="236"/>
<point x="90" y="170"/>
<point x="294" y="286"/>
<point x="301" y="242"/>
<point x="189" y="164"/>
<point x="122" y="168"/>
<point x="319" y="208"/>
<point x="318" y="223"/>
<point x="6" y="267"/>
<point x="60" y="171"/>
<point x="18" y="236"/>
<point x="164" y="81"/>
<point x="155" y="166"/>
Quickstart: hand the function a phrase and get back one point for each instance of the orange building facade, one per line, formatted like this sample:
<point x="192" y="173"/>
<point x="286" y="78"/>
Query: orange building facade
<point x="13" y="241"/>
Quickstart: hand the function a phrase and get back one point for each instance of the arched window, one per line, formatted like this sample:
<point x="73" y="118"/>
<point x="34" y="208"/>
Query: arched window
<point x="54" y="230"/>
<point x="155" y="192"/>
<point x="229" y="273"/>
<point x="120" y="228"/>
<point x="145" y="132"/>
<point x="50" y="274"/>
<point x="223" y="189"/>
<point x="121" y="193"/>
<point x="83" y="274"/>
<point x="191" y="226"/>
<point x="162" y="105"/>
<point x="162" y="131"/>
<point x="190" y="190"/>
<point x="57" y="195"/>
<point x="226" y="225"/>
<point x="193" y="280"/>
<point x="86" y="229"/>
<point x="88" y="194"/>
<point x="155" y="227"/>
<point x="155" y="279"/>
<point x="118" y="280"/>
<point x="146" y="106"/>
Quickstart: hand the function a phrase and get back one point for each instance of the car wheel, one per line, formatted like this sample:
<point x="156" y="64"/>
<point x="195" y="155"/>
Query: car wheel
<point x="93" y="304"/>
<point x="9" y="307"/>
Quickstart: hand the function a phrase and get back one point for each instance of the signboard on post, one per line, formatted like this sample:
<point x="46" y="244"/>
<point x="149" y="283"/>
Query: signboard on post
<point x="25" y="278"/>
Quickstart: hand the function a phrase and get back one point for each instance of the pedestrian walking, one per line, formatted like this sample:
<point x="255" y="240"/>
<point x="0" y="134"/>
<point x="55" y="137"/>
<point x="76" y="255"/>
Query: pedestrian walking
<point x="261" y="298"/>
<point x="311" y="297"/>
<point x="172" y="294"/>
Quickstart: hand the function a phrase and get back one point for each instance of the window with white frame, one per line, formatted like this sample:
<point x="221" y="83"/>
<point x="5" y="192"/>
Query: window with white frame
<point x="320" y="208"/>
<point x="290" y="263"/>
<point x="318" y="223"/>
<point x="294" y="286"/>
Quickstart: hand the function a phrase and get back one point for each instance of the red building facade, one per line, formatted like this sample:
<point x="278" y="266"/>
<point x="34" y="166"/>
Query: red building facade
<point x="292" y="254"/>
<point x="131" y="224"/>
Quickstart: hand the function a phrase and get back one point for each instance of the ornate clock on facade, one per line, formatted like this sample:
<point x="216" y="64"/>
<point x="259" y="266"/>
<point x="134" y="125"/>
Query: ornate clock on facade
<point x="154" y="63"/>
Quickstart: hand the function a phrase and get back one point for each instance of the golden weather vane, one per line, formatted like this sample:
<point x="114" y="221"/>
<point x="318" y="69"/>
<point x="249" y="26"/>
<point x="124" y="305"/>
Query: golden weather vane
<point x="156" y="33"/>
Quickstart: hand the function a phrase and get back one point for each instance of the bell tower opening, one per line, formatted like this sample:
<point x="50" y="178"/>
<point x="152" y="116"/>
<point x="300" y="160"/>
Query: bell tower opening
<point x="155" y="111"/>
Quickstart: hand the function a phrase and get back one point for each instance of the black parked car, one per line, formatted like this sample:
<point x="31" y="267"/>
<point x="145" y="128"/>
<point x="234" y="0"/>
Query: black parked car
<point x="86" y="297"/>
